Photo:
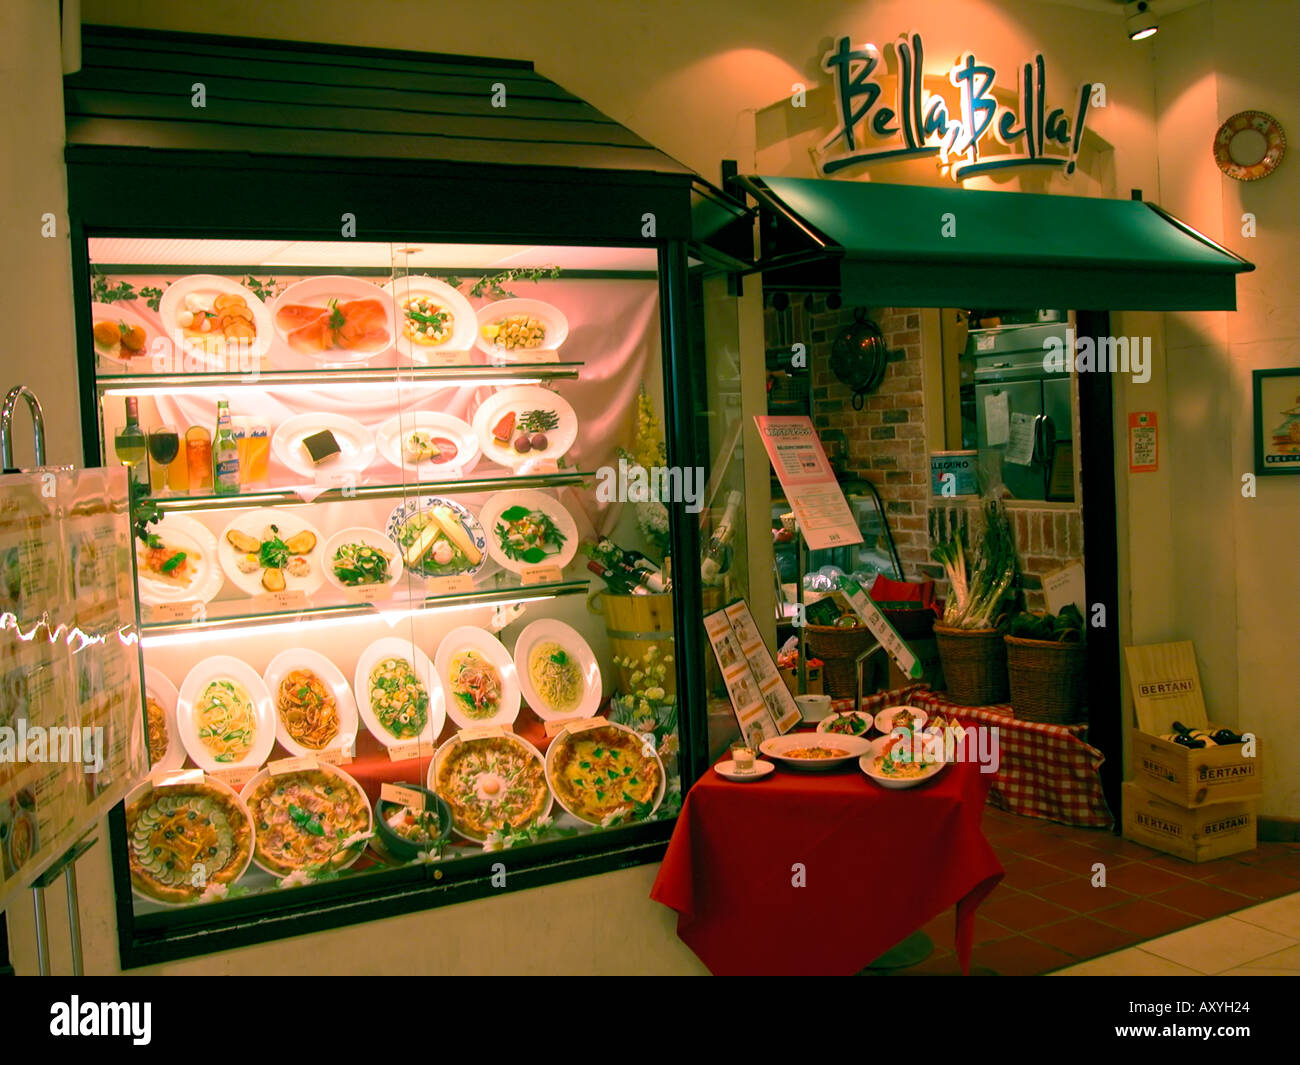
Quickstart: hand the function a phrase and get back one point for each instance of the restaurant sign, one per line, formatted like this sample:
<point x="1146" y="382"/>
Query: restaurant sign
<point x="921" y="123"/>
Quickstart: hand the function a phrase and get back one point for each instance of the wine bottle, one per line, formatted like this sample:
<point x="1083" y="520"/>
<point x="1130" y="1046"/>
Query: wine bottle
<point x="1191" y="738"/>
<point x="718" y="553"/>
<point x="616" y="581"/>
<point x="132" y="447"/>
<point x="1225" y="737"/>
<point x="635" y="568"/>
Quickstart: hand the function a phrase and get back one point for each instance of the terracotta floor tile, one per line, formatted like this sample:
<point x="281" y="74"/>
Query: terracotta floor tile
<point x="1257" y="883"/>
<point x="1142" y="878"/>
<point x="987" y="930"/>
<point x="1023" y="913"/>
<point x="1028" y="842"/>
<point x="1080" y="896"/>
<point x="1075" y="858"/>
<point x="1202" y="899"/>
<point x="1025" y="874"/>
<point x="1189" y="869"/>
<point x="1085" y="938"/>
<point x="1147" y="918"/>
<point x="1020" y="956"/>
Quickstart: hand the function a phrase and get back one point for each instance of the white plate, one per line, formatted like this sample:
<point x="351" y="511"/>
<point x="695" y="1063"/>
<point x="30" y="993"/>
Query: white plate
<point x="436" y="761"/>
<point x="346" y="779"/>
<point x="190" y="535"/>
<point x="567" y="637"/>
<point x="520" y="399"/>
<point x="393" y="432"/>
<point x="119" y="312"/>
<point x="552" y="318"/>
<point x="318" y="292"/>
<point x="728" y="771"/>
<point x="302" y="658"/>
<point x="469" y="638"/>
<point x="885" y="718"/>
<point x="396" y="647"/>
<point x="371" y="538"/>
<point x="166" y="696"/>
<point x="456" y="348"/>
<point x="410" y="507"/>
<point x="206" y="287"/>
<point x="192" y="688"/>
<point x="852" y="746"/>
<point x="867" y="764"/>
<point x="496" y="504"/>
<point x="825" y="724"/>
<point x="356" y="444"/>
<point x="252" y="522"/>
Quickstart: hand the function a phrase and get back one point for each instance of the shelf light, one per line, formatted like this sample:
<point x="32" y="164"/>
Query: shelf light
<point x="431" y="383"/>
<point x="1141" y="21"/>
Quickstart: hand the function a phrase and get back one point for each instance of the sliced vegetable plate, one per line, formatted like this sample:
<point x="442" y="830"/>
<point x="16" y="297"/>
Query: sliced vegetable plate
<point x="272" y="550"/>
<point x="225" y="715"/>
<point x="431" y="445"/>
<point x="122" y="336"/>
<point x="398" y="693"/>
<point x="230" y="313"/>
<point x="344" y="709"/>
<point x="814" y="751"/>
<point x="892" y="763"/>
<point x="516" y="330"/>
<point x="162" y="691"/>
<point x="479" y="677"/>
<point x="558" y="673"/>
<point x="335" y="320"/>
<point x="523" y="426"/>
<point x="528" y="528"/>
<point x="356" y="444"/>
<point x="359" y="558"/>
<point x="852" y="723"/>
<point x="435" y="323"/>
<point x="438" y="537"/>
<point x="180" y="562"/>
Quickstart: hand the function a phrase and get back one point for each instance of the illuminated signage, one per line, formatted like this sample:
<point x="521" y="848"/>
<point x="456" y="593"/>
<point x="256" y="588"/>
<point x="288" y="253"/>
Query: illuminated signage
<point x="921" y="123"/>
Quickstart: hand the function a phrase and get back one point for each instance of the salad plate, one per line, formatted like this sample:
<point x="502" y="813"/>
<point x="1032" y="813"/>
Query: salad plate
<point x="361" y="558"/>
<point x="525" y="426"/>
<point x="528" y="528"/>
<point x="438" y="537"/>
<point x="272" y="550"/>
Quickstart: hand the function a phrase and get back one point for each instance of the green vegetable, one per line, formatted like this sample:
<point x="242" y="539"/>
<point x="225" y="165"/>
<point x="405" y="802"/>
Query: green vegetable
<point x="1065" y="627"/>
<point x="337" y="317"/>
<point x="538" y="421"/>
<point x="309" y="823"/>
<point x="274" y="553"/>
<point x="360" y="564"/>
<point x="172" y="562"/>
<point x="980" y="562"/>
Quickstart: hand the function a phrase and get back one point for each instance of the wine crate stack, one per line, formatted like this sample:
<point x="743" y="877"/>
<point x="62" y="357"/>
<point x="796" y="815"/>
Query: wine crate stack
<point x="1194" y="783"/>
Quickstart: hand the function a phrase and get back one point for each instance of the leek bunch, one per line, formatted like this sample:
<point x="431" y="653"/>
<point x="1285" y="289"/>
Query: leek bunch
<point x="978" y="555"/>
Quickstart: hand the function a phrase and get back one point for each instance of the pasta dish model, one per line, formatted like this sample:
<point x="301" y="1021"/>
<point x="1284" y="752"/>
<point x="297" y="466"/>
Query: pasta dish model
<point x="398" y="699"/>
<point x="475" y="685"/>
<point x="814" y="752"/>
<point x="226" y="720"/>
<point x="302" y="819"/>
<point x="900" y="761"/>
<point x="157" y="730"/>
<point x="602" y="772"/>
<point x="308" y="710"/>
<point x="556" y="677"/>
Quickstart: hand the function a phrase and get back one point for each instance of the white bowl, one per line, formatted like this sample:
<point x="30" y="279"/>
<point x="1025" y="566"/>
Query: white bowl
<point x="206" y="287"/>
<point x="184" y="533"/>
<point x="166" y="696"/>
<point x="435" y="765"/>
<point x="346" y="705"/>
<point x="868" y="765"/>
<point x="518" y="399"/>
<point x="318" y="292"/>
<point x="885" y="718"/>
<point x="495" y="505"/>
<point x="776" y="747"/>
<point x="346" y="779"/>
<point x="552" y="319"/>
<point x="814" y="708"/>
<point x="390" y="435"/>
<point x="356" y="444"/>
<point x="825" y="724"/>
<point x="289" y="524"/>
<point x="640" y="738"/>
<point x="471" y="638"/>
<point x="192" y="688"/>
<point x="371" y="538"/>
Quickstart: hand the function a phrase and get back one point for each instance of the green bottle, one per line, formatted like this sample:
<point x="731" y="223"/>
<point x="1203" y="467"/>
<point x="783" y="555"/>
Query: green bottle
<point x="225" y="454"/>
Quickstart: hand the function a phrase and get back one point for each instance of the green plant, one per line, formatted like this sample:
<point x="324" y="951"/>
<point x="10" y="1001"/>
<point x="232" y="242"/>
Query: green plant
<point x="1065" y="627"/>
<point x="978" y="554"/>
<point x="104" y="290"/>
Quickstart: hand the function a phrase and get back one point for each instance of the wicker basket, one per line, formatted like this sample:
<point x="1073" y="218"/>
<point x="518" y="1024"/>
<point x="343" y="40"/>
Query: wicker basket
<point x="1049" y="680"/>
<point x="838" y="649"/>
<point x="974" y="665"/>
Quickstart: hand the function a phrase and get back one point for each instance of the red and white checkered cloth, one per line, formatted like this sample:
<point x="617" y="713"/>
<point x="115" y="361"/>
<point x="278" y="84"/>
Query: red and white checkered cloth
<point x="1047" y="771"/>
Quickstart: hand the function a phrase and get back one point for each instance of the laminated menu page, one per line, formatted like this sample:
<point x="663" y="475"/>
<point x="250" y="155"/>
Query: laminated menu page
<point x="815" y="496"/>
<point x="780" y="703"/>
<point x="753" y="713"/>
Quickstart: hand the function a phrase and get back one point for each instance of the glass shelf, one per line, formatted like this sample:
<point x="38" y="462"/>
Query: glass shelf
<point x="290" y="496"/>
<point x="512" y="373"/>
<point x="241" y="614"/>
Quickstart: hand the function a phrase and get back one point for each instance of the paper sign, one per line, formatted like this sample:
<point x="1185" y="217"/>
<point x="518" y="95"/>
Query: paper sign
<point x="1063" y="586"/>
<point x="483" y="732"/>
<point x="274" y="602"/>
<point x="780" y="703"/>
<point x="881" y="629"/>
<point x="752" y="712"/>
<point x="189" y="610"/>
<point x="819" y="506"/>
<point x="540" y="575"/>
<point x="327" y="479"/>
<point x="369" y="593"/>
<point x="457" y="585"/>
<point x="1143" y="442"/>
<point x="405" y="751"/>
<point x="538" y="467"/>
<point x="335" y="756"/>
<point x="1020" y="447"/>
<point x="997" y="418"/>
<point x="577" y="724"/>
<point x="283" y="766"/>
<point x="170" y="778"/>
<point x="400" y="795"/>
<point x="236" y="776"/>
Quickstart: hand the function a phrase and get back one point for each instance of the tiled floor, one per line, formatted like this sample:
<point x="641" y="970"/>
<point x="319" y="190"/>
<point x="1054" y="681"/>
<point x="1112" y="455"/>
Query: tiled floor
<point x="1046" y="914"/>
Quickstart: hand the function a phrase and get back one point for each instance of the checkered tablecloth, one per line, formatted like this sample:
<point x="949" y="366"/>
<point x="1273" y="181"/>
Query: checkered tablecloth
<point x="1047" y="771"/>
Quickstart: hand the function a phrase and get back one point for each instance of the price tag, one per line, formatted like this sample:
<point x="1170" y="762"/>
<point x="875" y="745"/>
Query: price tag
<point x="171" y="778"/>
<point x="540" y="575"/>
<point x="286" y="600"/>
<point x="482" y="732"/>
<point x="457" y="585"/>
<point x="369" y="593"/>
<point x="284" y="766"/>
<point x="574" y="724"/>
<point x="401" y="795"/>
<point x="327" y="479"/>
<point x="539" y="466"/>
<point x="335" y="756"/>
<point x="403" y="752"/>
<point x="236" y="776"/>
<point x="189" y="610"/>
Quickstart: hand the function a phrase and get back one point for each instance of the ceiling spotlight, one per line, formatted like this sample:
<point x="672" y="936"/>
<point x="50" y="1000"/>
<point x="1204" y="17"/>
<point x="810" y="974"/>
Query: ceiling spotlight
<point x="1141" y="20"/>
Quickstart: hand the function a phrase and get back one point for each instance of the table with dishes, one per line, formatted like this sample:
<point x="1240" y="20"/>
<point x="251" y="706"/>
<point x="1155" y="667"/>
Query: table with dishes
<point x="833" y="847"/>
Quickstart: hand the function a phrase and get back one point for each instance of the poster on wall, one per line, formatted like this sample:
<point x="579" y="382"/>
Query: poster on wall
<point x="72" y="738"/>
<point x="1277" y="421"/>
<point x="815" y="496"/>
<point x="1143" y="442"/>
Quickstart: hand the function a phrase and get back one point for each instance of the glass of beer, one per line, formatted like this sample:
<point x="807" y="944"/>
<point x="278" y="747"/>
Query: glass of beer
<point x="198" y="456"/>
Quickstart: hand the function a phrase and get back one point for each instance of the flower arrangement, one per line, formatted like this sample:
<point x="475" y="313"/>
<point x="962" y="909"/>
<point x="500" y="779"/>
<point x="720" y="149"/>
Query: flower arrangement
<point x="648" y="452"/>
<point x="647" y="707"/>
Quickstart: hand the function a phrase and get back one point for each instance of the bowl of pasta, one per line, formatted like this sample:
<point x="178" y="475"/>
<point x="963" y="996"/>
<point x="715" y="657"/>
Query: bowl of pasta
<point x="225" y="716"/>
<point x="898" y="762"/>
<point x="814" y="751"/>
<point x="315" y="710"/>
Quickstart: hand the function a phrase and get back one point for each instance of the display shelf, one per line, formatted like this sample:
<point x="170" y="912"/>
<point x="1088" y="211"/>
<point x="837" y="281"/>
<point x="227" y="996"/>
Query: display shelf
<point x="445" y="376"/>
<point x="291" y="497"/>
<point x="242" y="614"/>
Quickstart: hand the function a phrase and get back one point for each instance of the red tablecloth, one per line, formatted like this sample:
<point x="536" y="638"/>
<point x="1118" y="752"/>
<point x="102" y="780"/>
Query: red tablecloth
<point x="877" y="865"/>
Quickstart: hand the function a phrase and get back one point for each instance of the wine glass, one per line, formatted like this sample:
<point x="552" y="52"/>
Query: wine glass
<point x="164" y="446"/>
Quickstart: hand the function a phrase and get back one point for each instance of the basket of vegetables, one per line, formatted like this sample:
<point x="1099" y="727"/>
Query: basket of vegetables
<point x="977" y="552"/>
<point x="1048" y="666"/>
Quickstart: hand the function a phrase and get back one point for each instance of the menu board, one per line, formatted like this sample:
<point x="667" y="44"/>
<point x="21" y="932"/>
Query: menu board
<point x="72" y="737"/>
<point x="819" y="506"/>
<point x="763" y="704"/>
<point x="780" y="703"/>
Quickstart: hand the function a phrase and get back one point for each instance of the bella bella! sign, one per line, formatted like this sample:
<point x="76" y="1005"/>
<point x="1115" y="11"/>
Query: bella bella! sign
<point x="921" y="123"/>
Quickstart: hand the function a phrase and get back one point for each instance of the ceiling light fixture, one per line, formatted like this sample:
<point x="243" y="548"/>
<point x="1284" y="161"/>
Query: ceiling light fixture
<point x="1141" y="20"/>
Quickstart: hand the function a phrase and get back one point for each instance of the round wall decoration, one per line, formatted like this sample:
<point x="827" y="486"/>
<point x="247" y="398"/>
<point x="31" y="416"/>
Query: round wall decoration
<point x="1249" y="145"/>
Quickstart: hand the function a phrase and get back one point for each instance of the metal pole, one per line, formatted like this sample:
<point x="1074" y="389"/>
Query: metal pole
<point x="42" y="932"/>
<point x="74" y="917"/>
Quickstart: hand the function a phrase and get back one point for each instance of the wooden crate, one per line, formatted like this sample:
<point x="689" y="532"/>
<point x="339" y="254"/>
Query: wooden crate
<point x="1194" y="778"/>
<point x="1196" y="835"/>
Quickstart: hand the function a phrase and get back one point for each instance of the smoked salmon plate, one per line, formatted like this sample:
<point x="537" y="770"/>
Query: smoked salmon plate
<point x="335" y="316"/>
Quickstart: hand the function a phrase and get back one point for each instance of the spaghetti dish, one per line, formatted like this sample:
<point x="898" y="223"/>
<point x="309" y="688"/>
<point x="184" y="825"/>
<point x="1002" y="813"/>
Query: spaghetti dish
<point x="398" y="699"/>
<point x="896" y="762"/>
<point x="307" y="708"/>
<point x="555" y="676"/>
<point x="226" y="720"/>
<point x="814" y="752"/>
<point x="157" y="731"/>
<point x="475" y="685"/>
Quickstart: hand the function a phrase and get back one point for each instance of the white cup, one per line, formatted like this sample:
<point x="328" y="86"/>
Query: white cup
<point x="813" y="707"/>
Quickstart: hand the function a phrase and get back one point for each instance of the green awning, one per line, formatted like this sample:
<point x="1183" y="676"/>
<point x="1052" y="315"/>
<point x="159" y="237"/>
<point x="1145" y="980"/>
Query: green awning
<point x="915" y="246"/>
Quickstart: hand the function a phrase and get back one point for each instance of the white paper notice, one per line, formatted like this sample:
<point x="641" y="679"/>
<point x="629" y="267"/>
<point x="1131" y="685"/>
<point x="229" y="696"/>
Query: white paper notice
<point x="1020" y="448"/>
<point x="753" y="712"/>
<point x="819" y="506"/>
<point x="997" y="413"/>
<point x="1065" y="585"/>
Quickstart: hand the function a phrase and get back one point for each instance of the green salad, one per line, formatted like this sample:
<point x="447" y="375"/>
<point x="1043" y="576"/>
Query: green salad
<point x="356" y="564"/>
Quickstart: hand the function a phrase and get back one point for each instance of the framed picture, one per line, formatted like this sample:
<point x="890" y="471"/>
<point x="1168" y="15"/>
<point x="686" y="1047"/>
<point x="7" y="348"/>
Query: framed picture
<point x="1277" y="421"/>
